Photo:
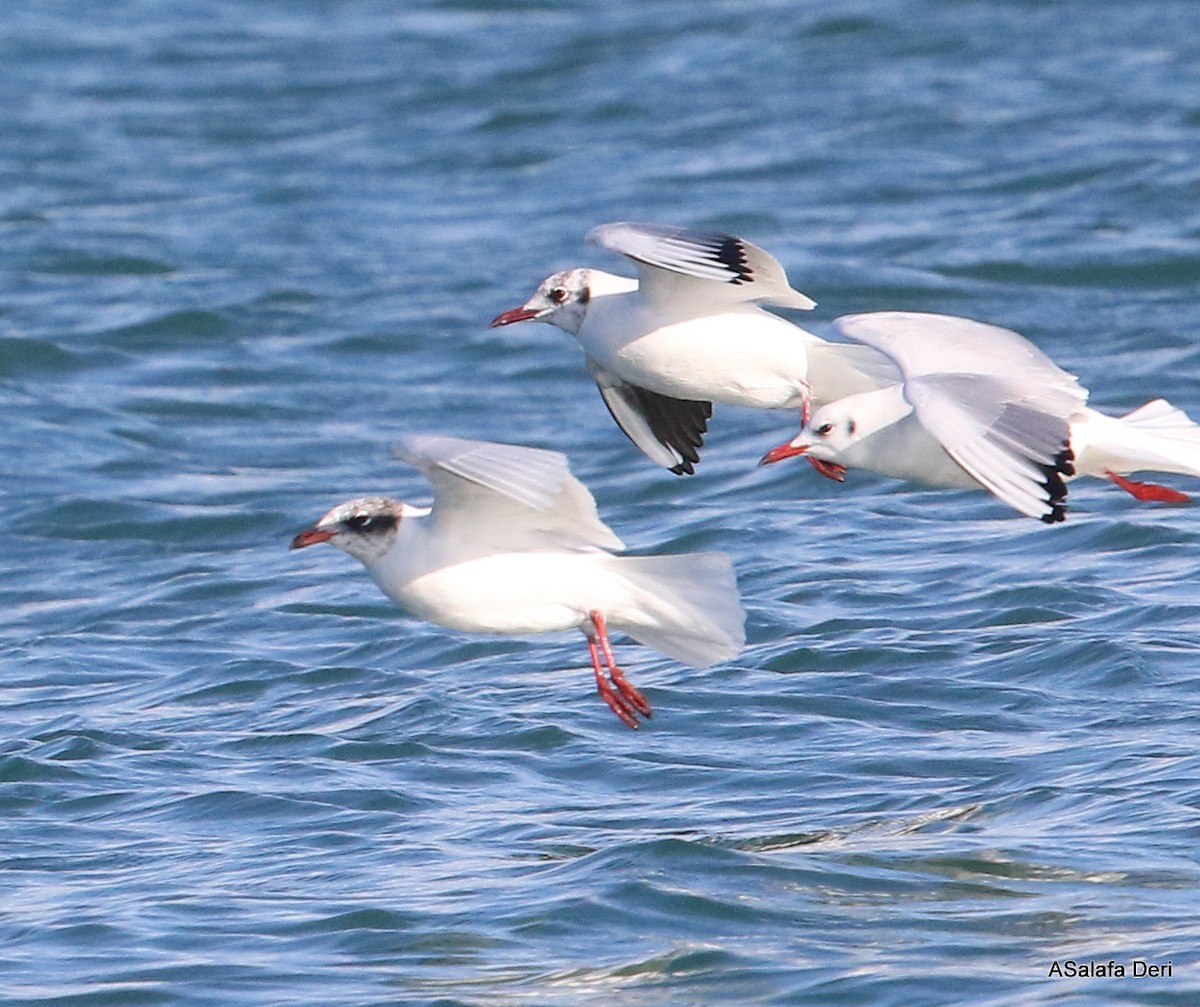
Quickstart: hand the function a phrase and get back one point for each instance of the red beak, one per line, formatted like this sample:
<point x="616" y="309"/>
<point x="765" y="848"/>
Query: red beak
<point x="780" y="453"/>
<point x="311" y="536"/>
<point x="514" y="315"/>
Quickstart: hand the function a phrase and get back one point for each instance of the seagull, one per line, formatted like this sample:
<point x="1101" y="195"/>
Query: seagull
<point x="688" y="332"/>
<point x="513" y="544"/>
<point x="979" y="405"/>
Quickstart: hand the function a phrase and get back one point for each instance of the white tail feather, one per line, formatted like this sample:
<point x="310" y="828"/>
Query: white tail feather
<point x="1156" y="437"/>
<point x="687" y="606"/>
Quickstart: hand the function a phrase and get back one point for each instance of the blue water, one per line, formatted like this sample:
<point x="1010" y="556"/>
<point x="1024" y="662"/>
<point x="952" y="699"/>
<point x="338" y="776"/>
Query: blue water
<point x="247" y="245"/>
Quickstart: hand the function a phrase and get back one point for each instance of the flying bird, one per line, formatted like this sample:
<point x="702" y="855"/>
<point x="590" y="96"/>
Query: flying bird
<point x="690" y="331"/>
<point x="981" y="406"/>
<point x="513" y="544"/>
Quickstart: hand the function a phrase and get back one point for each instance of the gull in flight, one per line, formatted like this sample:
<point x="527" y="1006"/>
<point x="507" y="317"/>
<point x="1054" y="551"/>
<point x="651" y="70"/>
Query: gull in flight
<point x="513" y="545"/>
<point x="690" y="331"/>
<point x="981" y="406"/>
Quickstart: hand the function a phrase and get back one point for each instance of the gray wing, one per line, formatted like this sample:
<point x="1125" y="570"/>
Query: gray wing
<point x="999" y="406"/>
<point x="510" y="496"/>
<point x="676" y="262"/>
<point x="668" y="431"/>
<point x="1018" y="450"/>
<point x="836" y="370"/>
<point x="922" y="343"/>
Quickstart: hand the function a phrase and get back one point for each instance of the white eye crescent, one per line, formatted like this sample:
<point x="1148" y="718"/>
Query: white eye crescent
<point x="370" y="522"/>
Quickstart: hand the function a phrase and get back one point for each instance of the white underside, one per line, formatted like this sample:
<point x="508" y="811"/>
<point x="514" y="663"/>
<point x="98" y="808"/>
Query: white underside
<point x="906" y="450"/>
<point x="1155" y="438"/>
<point x="744" y="356"/>
<point x="686" y="606"/>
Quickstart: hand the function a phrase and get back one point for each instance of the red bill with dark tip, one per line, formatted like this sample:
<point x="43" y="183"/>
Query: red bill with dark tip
<point x="311" y="536"/>
<point x="513" y="315"/>
<point x="778" y="454"/>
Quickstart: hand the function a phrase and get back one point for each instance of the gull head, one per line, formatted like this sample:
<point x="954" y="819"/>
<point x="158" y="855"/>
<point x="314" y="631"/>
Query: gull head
<point x="560" y="299"/>
<point x="366" y="528"/>
<point x="828" y="432"/>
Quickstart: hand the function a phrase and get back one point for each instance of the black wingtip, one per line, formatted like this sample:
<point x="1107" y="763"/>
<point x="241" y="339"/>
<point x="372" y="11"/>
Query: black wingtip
<point x="677" y="424"/>
<point x="680" y="424"/>
<point x="1058" y="513"/>
<point x="1055" y="484"/>
<point x="731" y="253"/>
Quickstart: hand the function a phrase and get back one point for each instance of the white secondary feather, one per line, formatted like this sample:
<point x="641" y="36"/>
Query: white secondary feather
<point x="516" y="497"/>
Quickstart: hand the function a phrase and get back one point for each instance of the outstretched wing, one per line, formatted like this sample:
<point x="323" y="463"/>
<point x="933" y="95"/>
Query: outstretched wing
<point x="506" y="496"/>
<point x="668" y="431"/>
<point x="922" y="343"/>
<point x="677" y="263"/>
<point x="1018" y="450"/>
<point x="999" y="406"/>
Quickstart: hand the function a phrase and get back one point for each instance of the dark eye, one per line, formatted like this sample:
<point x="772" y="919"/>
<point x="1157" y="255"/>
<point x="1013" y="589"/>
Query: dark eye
<point x="558" y="295"/>
<point x="369" y="522"/>
<point x="825" y="429"/>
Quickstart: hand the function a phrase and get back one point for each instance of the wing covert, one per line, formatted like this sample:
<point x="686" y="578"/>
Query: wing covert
<point x="513" y="496"/>
<point x="927" y="344"/>
<point x="670" y="261"/>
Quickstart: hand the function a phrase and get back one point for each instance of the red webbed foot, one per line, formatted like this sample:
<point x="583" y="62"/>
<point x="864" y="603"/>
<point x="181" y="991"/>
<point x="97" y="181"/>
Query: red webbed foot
<point x="830" y="470"/>
<point x="622" y="697"/>
<point x="1153" y="492"/>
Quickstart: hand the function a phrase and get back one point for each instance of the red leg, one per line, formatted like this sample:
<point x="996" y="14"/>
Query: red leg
<point x="1149" y="491"/>
<point x="627" y="689"/>
<point x="806" y="405"/>
<point x="614" y="700"/>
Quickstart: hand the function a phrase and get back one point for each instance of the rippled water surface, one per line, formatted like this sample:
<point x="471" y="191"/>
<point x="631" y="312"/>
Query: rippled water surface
<point x="246" y="246"/>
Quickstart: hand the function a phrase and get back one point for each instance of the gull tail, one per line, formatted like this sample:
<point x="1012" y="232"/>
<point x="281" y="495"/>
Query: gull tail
<point x="685" y="606"/>
<point x="1156" y="437"/>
